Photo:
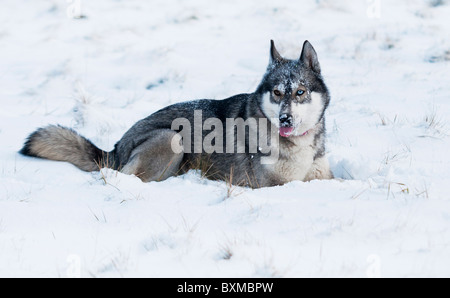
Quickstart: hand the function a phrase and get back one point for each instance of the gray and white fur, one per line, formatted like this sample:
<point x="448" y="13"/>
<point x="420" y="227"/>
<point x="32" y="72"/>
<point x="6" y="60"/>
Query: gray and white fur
<point x="292" y="96"/>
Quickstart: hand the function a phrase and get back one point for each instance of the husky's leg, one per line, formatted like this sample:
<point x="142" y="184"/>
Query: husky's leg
<point x="155" y="159"/>
<point x="320" y="169"/>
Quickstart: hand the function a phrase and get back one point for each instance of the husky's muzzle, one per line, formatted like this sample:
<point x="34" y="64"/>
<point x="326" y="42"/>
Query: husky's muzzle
<point x="286" y="125"/>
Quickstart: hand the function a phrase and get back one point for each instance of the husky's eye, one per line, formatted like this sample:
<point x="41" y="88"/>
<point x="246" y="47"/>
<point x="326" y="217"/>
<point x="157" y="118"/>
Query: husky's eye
<point x="277" y="93"/>
<point x="300" y="92"/>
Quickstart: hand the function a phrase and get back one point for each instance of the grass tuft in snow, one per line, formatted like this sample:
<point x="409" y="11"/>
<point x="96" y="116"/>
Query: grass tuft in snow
<point x="423" y="191"/>
<point x="395" y="188"/>
<point x="232" y="186"/>
<point x="385" y="121"/>
<point x="225" y="251"/>
<point x="435" y="126"/>
<point x="100" y="218"/>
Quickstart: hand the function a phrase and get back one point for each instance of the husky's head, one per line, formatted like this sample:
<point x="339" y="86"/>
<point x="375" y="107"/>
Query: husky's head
<point x="292" y="93"/>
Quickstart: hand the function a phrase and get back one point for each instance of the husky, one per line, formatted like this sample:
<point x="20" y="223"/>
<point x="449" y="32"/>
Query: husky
<point x="292" y="97"/>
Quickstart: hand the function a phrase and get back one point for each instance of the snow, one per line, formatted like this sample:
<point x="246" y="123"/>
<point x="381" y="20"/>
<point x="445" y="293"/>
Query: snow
<point x="386" y="64"/>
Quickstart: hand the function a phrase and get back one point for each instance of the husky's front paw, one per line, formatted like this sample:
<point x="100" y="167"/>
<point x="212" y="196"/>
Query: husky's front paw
<point x="320" y="169"/>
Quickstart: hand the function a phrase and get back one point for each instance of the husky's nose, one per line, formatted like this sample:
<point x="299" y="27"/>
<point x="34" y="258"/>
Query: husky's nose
<point x="286" y="120"/>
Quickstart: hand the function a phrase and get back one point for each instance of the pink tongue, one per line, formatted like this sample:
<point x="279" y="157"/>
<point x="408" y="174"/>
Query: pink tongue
<point x="286" y="131"/>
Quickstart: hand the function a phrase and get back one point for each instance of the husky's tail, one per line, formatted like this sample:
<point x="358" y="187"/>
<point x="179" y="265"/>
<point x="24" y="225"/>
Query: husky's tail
<point x="64" y="144"/>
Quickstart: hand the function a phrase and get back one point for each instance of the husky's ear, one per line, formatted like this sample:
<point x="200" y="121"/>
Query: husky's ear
<point x="275" y="57"/>
<point x="309" y="57"/>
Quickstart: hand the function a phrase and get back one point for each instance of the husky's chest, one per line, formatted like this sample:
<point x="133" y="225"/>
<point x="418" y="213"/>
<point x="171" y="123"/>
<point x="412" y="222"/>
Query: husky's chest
<point x="294" y="161"/>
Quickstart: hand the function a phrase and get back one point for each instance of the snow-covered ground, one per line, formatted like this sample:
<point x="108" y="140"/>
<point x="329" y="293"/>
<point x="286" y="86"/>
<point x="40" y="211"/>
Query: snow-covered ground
<point x="386" y="64"/>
